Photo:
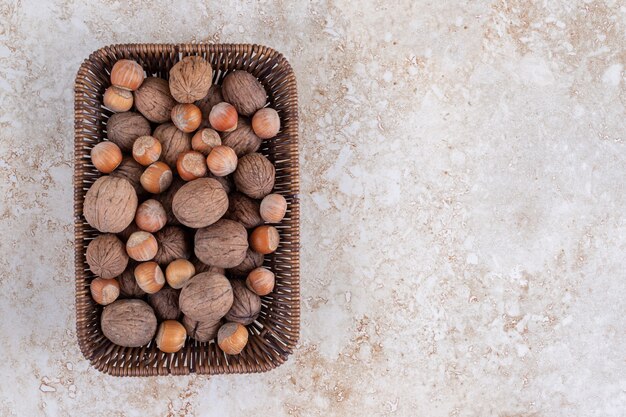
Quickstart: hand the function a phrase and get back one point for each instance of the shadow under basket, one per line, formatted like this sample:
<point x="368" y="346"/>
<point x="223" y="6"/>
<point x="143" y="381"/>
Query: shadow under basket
<point x="274" y="335"/>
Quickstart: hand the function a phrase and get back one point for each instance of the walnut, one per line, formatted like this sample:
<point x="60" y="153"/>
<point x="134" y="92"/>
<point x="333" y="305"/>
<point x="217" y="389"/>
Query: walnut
<point x="154" y="101"/>
<point x="106" y="256"/>
<point x="124" y="128"/>
<point x="242" y="140"/>
<point x="226" y="182"/>
<point x="172" y="245"/>
<point x="206" y="297"/>
<point x="202" y="331"/>
<point x="131" y="170"/>
<point x="190" y="79"/>
<point x="200" y="203"/>
<point x="255" y="175"/>
<point x="165" y="304"/>
<point x="173" y="142"/>
<point x="246" y="304"/>
<point x="129" y="323"/>
<point x="206" y="103"/>
<point x="110" y="204"/>
<point x="244" y="210"/>
<point x="222" y="244"/>
<point x="244" y="91"/>
<point x="252" y="260"/>
<point x="128" y="284"/>
<point x="202" y="267"/>
<point x="166" y="198"/>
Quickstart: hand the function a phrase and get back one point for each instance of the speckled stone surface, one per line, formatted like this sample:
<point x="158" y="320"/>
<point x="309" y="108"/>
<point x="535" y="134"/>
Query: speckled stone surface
<point x="463" y="208"/>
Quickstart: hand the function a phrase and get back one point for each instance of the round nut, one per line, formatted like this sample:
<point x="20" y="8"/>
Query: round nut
<point x="166" y="198"/>
<point x="128" y="284"/>
<point x="244" y="91"/>
<point x="246" y="304"/>
<point x="128" y="323"/>
<point x="127" y="74"/>
<point x="124" y="128"/>
<point x="265" y="239"/>
<point x="200" y="203"/>
<point x="202" y="331"/>
<point x="151" y="216"/>
<point x="172" y="245"/>
<point x="191" y="165"/>
<point x="206" y="103"/>
<point x="204" y="140"/>
<point x="252" y="260"/>
<point x="244" y="210"/>
<point x="243" y="140"/>
<point x="190" y="79"/>
<point x="156" y="178"/>
<point x="223" y="117"/>
<point x="106" y="256"/>
<point x="225" y="182"/>
<point x="261" y="281"/>
<point x="146" y="150"/>
<point x="117" y="99"/>
<point x="273" y="208"/>
<point x="255" y="175"/>
<point x="266" y="123"/>
<point x="104" y="290"/>
<point x="106" y="156"/>
<point x="141" y="246"/>
<point x="125" y="234"/>
<point x="222" y="161"/>
<point x="171" y="336"/>
<point x="206" y="297"/>
<point x="232" y="338"/>
<point x="173" y="142"/>
<point x="222" y="244"/>
<point x="178" y="272"/>
<point x="154" y="101"/>
<point x="131" y="171"/>
<point x="187" y="117"/>
<point x="110" y="204"/>
<point x="165" y="304"/>
<point x="149" y="277"/>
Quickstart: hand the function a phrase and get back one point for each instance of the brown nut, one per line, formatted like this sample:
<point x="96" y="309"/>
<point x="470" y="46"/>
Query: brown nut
<point x="156" y="178"/>
<point x="146" y="150"/>
<point x="206" y="103"/>
<point x="244" y="210"/>
<point x="131" y="171"/>
<point x="173" y="142"/>
<point x="252" y="260"/>
<point x="202" y="331"/>
<point x="243" y="140"/>
<point x="200" y="203"/>
<point x="204" y="140"/>
<point x="154" y="101"/>
<point x="149" y="277"/>
<point x="187" y="117"/>
<point x="124" y="128"/>
<point x="172" y="245"/>
<point x="202" y="267"/>
<point x="191" y="165"/>
<point x="266" y="123"/>
<point x="261" y="281"/>
<point x="246" y="304"/>
<point x="106" y="256"/>
<point x="273" y="208"/>
<point x="171" y="336"/>
<point x="117" y="99"/>
<point x="225" y="182"/>
<point x="232" y="338"/>
<point x="222" y="244"/>
<point x="141" y="246"/>
<point x="244" y="91"/>
<point x="255" y="175"/>
<point x="178" y="272"/>
<point x="110" y="204"/>
<point x="106" y="156"/>
<point x="125" y="234"/>
<point x="206" y="297"/>
<point x="129" y="323"/>
<point x="166" y="198"/>
<point x="165" y="304"/>
<point x="222" y="161"/>
<point x="150" y="216"/>
<point x="265" y="239"/>
<point x="128" y="284"/>
<point x="104" y="290"/>
<point x="223" y="117"/>
<point x="127" y="74"/>
<point x="190" y="79"/>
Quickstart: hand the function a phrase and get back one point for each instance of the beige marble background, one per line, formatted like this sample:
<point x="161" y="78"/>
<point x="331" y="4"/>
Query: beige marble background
<point x="463" y="194"/>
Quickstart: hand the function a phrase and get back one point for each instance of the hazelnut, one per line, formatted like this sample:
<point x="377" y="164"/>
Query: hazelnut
<point x="261" y="281"/>
<point x="222" y="161"/>
<point x="127" y="74"/>
<point x="149" y="277"/>
<point x="173" y="141"/>
<point x="117" y="99"/>
<point x="264" y="239"/>
<point x="154" y="101"/>
<point x="104" y="290"/>
<point x="244" y="210"/>
<point x="243" y="140"/>
<point x="106" y="156"/>
<point x="266" y="123"/>
<point x="141" y="246"/>
<point x="178" y="272"/>
<point x="255" y="175"/>
<point x="166" y="198"/>
<point x="204" y="140"/>
<point x="191" y="165"/>
<point x="124" y="128"/>
<point x="146" y="150"/>
<point x="206" y="103"/>
<point x="171" y="336"/>
<point x="202" y="267"/>
<point x="222" y="244"/>
<point x="128" y="285"/>
<point x="190" y="79"/>
<point x="187" y="117"/>
<point x="150" y="216"/>
<point x="273" y="208"/>
<point x="232" y="338"/>
<point x="165" y="304"/>
<point x="106" y="256"/>
<point x="223" y="117"/>
<point x="246" y="304"/>
<point x="202" y="331"/>
<point x="206" y="297"/>
<point x="131" y="171"/>
<point x="110" y="204"/>
<point x="252" y="260"/>
<point x="172" y="245"/>
<point x="244" y="91"/>
<point x="156" y="178"/>
<point x="128" y="323"/>
<point x="225" y="182"/>
<point x="200" y="203"/>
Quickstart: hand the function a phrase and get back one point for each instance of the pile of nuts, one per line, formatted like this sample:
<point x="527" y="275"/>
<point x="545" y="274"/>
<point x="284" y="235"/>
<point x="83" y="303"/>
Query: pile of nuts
<point x="186" y="210"/>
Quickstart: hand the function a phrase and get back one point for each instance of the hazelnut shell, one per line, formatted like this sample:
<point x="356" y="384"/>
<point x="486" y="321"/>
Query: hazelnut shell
<point x="232" y="338"/>
<point x="206" y="103"/>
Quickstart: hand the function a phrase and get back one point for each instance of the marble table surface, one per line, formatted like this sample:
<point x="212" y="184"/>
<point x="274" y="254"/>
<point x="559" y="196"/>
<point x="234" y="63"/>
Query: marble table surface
<point x="463" y="207"/>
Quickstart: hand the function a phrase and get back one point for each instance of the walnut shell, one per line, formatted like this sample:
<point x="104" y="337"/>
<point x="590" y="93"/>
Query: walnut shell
<point x="106" y="256"/>
<point x="110" y="204"/>
<point x="154" y="101"/>
<point x="206" y="103"/>
<point x="244" y="210"/>
<point x="246" y="304"/>
<point x="222" y="244"/>
<point x="129" y="323"/>
<point x="172" y="245"/>
<point x="190" y="79"/>
<point x="173" y="142"/>
<point x="206" y="297"/>
<point x="252" y="260"/>
<point x="202" y="331"/>
<point x="243" y="140"/>
<point x="128" y="285"/>
<point x="202" y="267"/>
<point x="244" y="91"/>
<point x="124" y="128"/>
<point x="226" y="182"/>
<point x="165" y="304"/>
<point x="166" y="198"/>
<point x="200" y="203"/>
<point x="255" y="175"/>
<point x="131" y="170"/>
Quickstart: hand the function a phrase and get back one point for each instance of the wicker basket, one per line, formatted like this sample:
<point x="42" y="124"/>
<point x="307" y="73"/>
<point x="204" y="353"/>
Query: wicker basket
<point x="274" y="335"/>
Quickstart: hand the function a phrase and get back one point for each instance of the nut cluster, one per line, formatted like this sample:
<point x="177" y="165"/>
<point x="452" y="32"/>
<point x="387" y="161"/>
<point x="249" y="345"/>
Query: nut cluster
<point x="185" y="211"/>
